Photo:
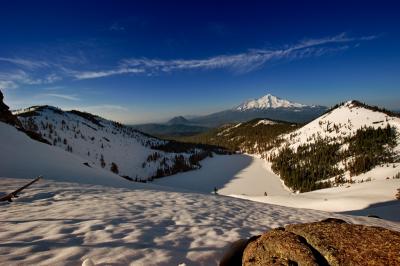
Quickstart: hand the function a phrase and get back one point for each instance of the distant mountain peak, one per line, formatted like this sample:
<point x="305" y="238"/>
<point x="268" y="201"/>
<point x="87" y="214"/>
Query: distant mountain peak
<point x="178" y="120"/>
<point x="268" y="101"/>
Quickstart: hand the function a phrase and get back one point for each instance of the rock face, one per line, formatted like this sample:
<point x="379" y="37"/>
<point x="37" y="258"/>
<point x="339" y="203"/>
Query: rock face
<point x="279" y="247"/>
<point x="329" y="242"/>
<point x="6" y="116"/>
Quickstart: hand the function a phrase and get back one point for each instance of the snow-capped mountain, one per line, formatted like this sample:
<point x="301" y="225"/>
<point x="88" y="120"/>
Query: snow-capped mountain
<point x="103" y="143"/>
<point x="268" y="106"/>
<point x="268" y="101"/>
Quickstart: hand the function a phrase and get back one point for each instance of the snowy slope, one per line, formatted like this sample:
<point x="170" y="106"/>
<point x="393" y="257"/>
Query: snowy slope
<point x="66" y="224"/>
<point x="268" y="101"/>
<point x="22" y="157"/>
<point x="242" y="174"/>
<point x="337" y="126"/>
<point x="96" y="139"/>
<point x="341" y="122"/>
<point x="249" y="177"/>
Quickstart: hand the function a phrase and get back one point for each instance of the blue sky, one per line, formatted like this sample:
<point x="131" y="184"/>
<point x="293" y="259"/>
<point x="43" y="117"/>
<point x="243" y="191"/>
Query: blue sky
<point x="138" y="61"/>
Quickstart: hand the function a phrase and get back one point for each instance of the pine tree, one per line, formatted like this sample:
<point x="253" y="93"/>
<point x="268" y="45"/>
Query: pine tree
<point x="114" y="168"/>
<point x="102" y="162"/>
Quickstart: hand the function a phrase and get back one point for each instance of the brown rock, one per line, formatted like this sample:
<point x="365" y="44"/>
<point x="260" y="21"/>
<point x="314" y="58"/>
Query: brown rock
<point x="279" y="247"/>
<point x="328" y="242"/>
<point x="350" y="244"/>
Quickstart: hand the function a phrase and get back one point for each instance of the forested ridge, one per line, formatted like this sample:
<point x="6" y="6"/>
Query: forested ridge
<point x="309" y="167"/>
<point x="317" y="162"/>
<point x="255" y="136"/>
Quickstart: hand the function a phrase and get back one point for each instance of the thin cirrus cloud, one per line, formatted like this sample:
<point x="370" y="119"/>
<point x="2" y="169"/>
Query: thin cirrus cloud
<point x="17" y="71"/>
<point x="62" y="96"/>
<point x="12" y="80"/>
<point x="31" y="64"/>
<point x="238" y="63"/>
<point x="99" y="74"/>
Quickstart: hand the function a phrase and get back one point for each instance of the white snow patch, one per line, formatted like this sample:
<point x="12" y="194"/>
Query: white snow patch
<point x="265" y="122"/>
<point x="248" y="177"/>
<point x="268" y="101"/>
<point x="55" y="223"/>
<point x="230" y="174"/>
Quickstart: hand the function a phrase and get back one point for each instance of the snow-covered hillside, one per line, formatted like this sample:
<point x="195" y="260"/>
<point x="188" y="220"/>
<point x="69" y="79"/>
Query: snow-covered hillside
<point x="101" y="142"/>
<point x="23" y="157"/>
<point x="268" y="101"/>
<point x="352" y="142"/>
<point x="65" y="224"/>
<point x="340" y="123"/>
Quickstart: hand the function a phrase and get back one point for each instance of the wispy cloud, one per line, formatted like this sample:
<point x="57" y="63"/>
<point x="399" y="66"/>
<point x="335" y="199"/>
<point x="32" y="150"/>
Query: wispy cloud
<point x="239" y="63"/>
<point x="106" y="73"/>
<point x="31" y="64"/>
<point x="62" y="96"/>
<point x="12" y="80"/>
<point x="28" y="71"/>
<point x="8" y="84"/>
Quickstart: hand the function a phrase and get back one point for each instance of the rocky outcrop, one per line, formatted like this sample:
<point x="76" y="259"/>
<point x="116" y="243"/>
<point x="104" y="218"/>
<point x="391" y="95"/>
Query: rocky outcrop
<point x="5" y="114"/>
<point x="280" y="247"/>
<point x="341" y="243"/>
<point x="7" y="117"/>
<point x="328" y="242"/>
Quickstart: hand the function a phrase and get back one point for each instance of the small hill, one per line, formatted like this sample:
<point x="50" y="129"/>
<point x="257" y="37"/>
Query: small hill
<point x="178" y="120"/>
<point x="108" y="144"/>
<point x="347" y="141"/>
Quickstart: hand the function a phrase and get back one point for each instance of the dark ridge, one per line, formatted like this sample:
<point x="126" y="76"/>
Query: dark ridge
<point x="87" y="116"/>
<point x="357" y="103"/>
<point x="375" y="108"/>
<point x="38" y="108"/>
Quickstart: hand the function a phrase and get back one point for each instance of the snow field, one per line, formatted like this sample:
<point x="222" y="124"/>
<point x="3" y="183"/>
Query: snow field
<point x="55" y="223"/>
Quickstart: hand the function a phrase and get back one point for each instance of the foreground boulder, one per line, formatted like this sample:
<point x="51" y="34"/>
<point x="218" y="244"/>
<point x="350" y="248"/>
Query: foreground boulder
<point x="279" y="247"/>
<point x="341" y="243"/>
<point x="328" y="242"/>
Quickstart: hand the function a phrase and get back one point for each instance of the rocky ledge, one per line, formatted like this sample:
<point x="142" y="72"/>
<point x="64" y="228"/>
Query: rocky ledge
<point x="328" y="242"/>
